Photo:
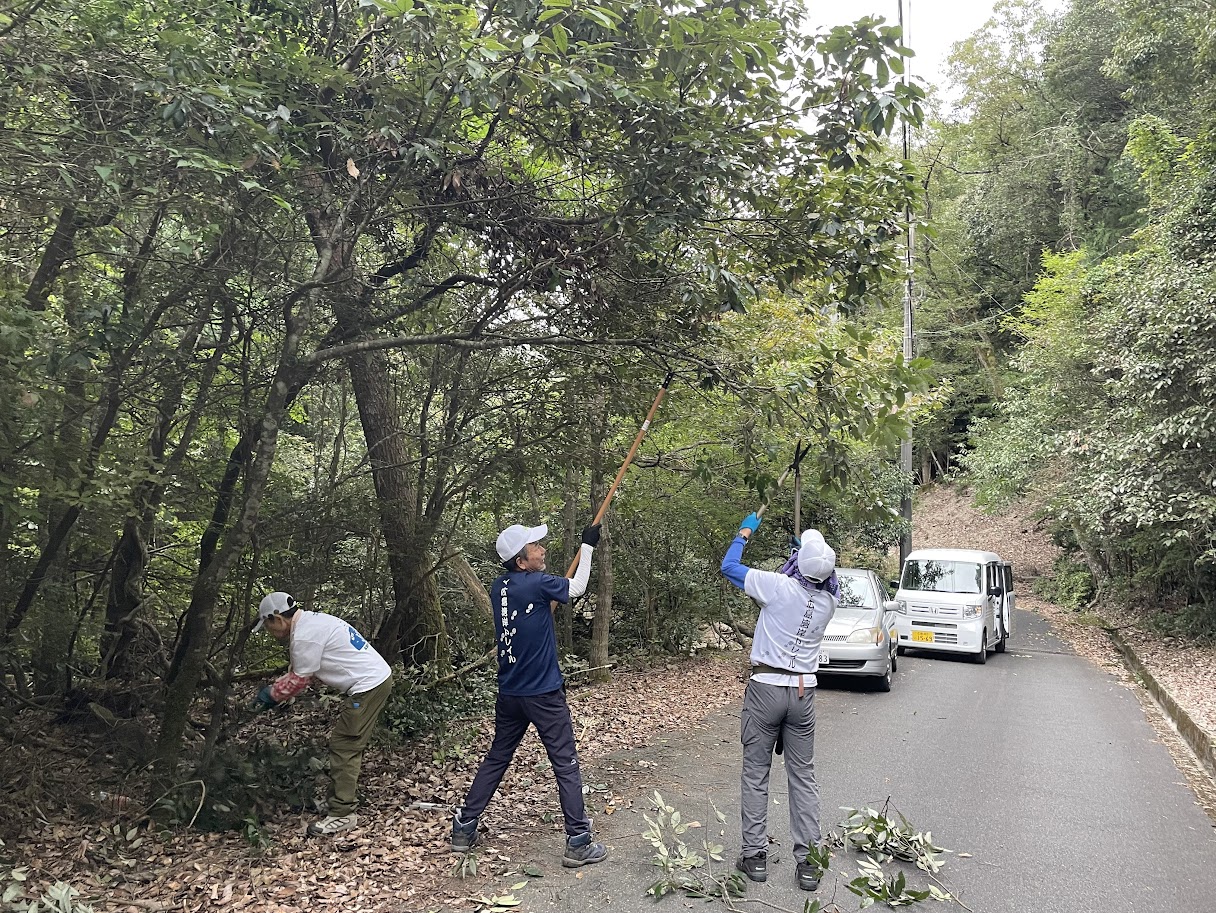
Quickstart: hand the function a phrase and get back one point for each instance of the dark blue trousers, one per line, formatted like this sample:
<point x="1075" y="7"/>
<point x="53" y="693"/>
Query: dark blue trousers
<point x="550" y="714"/>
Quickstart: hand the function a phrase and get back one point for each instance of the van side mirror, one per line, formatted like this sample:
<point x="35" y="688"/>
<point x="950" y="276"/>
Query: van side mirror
<point x="997" y="591"/>
<point x="893" y="584"/>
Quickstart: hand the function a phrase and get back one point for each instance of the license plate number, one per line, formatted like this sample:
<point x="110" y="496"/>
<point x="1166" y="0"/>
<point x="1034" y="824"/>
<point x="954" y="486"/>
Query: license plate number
<point x="924" y="637"/>
<point x="823" y="658"/>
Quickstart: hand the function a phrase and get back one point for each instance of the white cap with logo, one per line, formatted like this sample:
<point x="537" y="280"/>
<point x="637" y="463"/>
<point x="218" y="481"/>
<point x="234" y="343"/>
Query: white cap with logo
<point x="273" y="604"/>
<point x="511" y="541"/>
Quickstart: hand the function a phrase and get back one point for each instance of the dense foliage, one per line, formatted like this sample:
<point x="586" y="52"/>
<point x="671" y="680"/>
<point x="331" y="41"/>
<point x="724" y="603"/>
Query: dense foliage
<point x="320" y="295"/>
<point x="1079" y="206"/>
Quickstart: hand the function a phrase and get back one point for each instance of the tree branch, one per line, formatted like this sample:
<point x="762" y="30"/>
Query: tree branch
<point x="466" y="341"/>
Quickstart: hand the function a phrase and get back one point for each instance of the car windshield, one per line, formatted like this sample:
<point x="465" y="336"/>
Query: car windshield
<point x="855" y="589"/>
<point x="942" y="576"/>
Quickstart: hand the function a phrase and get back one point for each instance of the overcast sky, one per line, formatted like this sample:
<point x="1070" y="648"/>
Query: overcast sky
<point x="933" y="25"/>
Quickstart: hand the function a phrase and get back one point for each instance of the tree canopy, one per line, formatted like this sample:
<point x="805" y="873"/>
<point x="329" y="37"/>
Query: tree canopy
<point x="319" y="296"/>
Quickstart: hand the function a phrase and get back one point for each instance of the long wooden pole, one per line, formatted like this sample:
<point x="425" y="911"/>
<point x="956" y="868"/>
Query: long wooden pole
<point x="637" y="442"/>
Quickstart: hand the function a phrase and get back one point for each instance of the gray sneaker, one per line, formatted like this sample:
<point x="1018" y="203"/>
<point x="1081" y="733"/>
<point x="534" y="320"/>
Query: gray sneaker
<point x="582" y="850"/>
<point x="464" y="834"/>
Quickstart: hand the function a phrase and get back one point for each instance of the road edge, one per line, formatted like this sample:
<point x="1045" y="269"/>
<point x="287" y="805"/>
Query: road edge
<point x="1195" y="736"/>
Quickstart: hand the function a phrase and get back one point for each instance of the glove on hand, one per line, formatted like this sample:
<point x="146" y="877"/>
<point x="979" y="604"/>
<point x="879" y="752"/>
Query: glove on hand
<point x="795" y="542"/>
<point x="262" y="700"/>
<point x="751" y="523"/>
<point x="591" y="535"/>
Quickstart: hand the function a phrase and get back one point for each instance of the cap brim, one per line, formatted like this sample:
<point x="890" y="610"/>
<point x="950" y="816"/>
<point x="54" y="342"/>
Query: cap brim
<point x="536" y="533"/>
<point x="258" y="625"/>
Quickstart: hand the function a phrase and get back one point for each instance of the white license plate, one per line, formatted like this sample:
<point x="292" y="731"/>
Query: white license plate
<point x="823" y="658"/>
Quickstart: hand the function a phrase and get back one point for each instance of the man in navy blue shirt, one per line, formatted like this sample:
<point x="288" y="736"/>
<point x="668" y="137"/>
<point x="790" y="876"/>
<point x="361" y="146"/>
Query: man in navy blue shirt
<point x="530" y="686"/>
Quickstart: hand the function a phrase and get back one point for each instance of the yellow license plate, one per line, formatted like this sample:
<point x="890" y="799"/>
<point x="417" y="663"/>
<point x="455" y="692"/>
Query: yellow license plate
<point x="924" y="637"/>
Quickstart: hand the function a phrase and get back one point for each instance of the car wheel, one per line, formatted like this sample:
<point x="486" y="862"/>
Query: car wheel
<point x="900" y="650"/>
<point x="982" y="656"/>
<point x="883" y="682"/>
<point x="1000" y="644"/>
<point x="894" y="661"/>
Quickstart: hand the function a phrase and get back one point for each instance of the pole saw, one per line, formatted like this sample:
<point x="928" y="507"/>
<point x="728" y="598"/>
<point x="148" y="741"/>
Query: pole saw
<point x="637" y="441"/>
<point x="799" y="453"/>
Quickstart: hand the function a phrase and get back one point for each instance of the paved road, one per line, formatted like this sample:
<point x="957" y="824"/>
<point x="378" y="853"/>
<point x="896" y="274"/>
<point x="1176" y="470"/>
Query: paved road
<point x="1038" y="764"/>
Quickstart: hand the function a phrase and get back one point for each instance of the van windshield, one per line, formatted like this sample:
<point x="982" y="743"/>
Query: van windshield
<point x="942" y="576"/>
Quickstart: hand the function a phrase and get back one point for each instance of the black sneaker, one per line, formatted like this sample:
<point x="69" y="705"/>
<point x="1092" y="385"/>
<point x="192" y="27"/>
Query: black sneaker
<point x="808" y="876"/>
<point x="582" y="850"/>
<point x="464" y="834"/>
<point x="754" y="867"/>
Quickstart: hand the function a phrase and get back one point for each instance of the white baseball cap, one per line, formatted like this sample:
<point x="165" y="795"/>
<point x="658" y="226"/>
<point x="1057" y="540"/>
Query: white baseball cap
<point x="273" y="604"/>
<point x="511" y="541"/>
<point x="816" y="559"/>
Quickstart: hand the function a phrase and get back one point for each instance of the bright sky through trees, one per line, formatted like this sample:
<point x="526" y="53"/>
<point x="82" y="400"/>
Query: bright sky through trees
<point x="934" y="25"/>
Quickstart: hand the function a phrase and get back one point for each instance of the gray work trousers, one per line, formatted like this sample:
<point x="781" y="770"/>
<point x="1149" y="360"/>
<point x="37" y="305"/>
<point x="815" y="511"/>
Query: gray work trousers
<point x="768" y="709"/>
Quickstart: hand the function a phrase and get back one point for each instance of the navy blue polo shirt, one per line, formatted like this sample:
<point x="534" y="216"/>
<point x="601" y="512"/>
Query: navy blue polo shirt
<point x="527" y="642"/>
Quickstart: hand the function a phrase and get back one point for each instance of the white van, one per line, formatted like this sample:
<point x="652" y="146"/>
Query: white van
<point x="959" y="600"/>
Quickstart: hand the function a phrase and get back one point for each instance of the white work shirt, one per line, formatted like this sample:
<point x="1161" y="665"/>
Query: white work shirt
<point x="790" y="628"/>
<point x="329" y="649"/>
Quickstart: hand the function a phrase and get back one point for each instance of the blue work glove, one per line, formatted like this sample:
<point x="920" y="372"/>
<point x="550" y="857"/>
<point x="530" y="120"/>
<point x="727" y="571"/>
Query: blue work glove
<point x="751" y="523"/>
<point x="795" y="543"/>
<point x="262" y="700"/>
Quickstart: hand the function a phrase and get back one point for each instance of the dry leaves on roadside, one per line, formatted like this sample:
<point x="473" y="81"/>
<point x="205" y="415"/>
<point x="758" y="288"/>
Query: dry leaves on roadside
<point x="398" y="859"/>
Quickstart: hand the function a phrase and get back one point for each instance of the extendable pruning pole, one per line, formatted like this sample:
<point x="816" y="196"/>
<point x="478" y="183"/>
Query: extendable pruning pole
<point x="797" y="500"/>
<point x="799" y="453"/>
<point x="637" y="441"/>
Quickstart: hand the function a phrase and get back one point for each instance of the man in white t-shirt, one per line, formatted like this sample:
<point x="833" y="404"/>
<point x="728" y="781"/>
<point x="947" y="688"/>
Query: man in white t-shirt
<point x="327" y="648"/>
<point x="796" y="605"/>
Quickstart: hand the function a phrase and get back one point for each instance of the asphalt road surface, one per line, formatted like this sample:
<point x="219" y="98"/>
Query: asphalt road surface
<point x="1039" y="765"/>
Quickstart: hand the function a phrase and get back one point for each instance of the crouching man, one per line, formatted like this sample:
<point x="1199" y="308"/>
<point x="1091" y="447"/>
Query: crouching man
<point x="328" y="649"/>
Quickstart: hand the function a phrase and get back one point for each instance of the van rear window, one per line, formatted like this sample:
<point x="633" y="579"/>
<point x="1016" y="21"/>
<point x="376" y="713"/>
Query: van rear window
<point x="942" y="576"/>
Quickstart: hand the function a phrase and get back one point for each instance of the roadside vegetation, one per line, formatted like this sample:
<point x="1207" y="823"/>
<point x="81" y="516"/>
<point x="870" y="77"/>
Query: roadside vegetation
<point x="1069" y="300"/>
<point x="318" y="296"/>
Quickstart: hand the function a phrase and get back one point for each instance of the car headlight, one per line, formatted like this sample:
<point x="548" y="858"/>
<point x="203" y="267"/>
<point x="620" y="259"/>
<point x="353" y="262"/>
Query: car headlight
<point x="901" y="606"/>
<point x="973" y="611"/>
<point x="865" y="636"/>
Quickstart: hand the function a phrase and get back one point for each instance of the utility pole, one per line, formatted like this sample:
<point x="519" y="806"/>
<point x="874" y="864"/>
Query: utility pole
<point x="905" y="449"/>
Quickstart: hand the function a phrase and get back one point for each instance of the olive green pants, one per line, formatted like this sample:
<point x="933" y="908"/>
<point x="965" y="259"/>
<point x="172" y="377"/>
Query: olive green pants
<point x="347" y="741"/>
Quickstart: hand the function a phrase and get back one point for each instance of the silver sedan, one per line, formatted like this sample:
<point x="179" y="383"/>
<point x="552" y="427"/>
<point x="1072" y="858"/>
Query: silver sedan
<point x="860" y="639"/>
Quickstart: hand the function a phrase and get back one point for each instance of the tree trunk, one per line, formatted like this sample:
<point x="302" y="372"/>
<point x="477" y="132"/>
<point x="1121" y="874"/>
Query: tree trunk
<point x="67" y="442"/>
<point x="476" y="590"/>
<point x="194" y="644"/>
<point x="926" y="465"/>
<point x="570" y="544"/>
<point x="126" y="595"/>
<point x="650" y="601"/>
<point x="987" y="355"/>
<point x="601" y="627"/>
<point x="1099" y="569"/>
<point x="413" y="629"/>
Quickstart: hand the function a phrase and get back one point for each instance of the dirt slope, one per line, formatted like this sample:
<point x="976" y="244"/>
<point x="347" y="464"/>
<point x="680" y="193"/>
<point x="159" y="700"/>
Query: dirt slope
<point x="943" y="517"/>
